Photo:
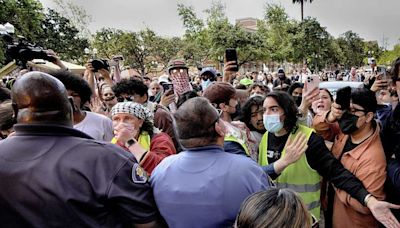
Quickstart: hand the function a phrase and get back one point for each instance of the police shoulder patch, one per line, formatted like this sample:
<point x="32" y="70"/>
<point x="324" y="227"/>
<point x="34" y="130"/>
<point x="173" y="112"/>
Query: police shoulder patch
<point x="139" y="176"/>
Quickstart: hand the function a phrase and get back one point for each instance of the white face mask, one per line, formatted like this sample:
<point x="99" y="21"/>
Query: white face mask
<point x="272" y="123"/>
<point x="256" y="95"/>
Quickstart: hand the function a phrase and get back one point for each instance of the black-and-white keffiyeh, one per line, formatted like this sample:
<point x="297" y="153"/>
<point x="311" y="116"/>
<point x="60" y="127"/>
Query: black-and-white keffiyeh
<point x="133" y="108"/>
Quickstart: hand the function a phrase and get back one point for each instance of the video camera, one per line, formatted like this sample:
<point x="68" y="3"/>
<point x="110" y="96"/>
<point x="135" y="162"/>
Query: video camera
<point x="98" y="64"/>
<point x="23" y="51"/>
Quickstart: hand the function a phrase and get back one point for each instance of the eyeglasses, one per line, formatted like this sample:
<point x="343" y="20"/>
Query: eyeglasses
<point x="123" y="99"/>
<point x="354" y="110"/>
<point x="219" y="112"/>
<point x="214" y="122"/>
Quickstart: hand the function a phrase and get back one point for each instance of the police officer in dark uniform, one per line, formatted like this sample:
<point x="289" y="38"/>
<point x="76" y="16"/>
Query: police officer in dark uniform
<point x="55" y="176"/>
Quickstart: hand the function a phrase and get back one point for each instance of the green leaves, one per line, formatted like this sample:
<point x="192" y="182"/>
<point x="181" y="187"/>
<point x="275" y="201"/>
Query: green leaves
<point x="190" y="21"/>
<point x="48" y="28"/>
<point x="61" y="36"/>
<point x="352" y="47"/>
<point x="206" y="41"/>
<point x="141" y="49"/>
<point x="388" y="57"/>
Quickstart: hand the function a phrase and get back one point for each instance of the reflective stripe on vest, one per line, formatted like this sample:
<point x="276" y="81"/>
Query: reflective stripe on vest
<point x="231" y="138"/>
<point x="300" y="188"/>
<point x="299" y="176"/>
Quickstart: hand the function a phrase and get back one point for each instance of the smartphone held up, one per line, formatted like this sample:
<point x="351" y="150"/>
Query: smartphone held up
<point x="231" y="55"/>
<point x="312" y="82"/>
<point x="343" y="96"/>
<point x="168" y="87"/>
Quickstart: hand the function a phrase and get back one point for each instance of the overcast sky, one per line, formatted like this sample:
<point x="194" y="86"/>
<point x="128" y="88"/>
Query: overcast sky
<point x="371" y="19"/>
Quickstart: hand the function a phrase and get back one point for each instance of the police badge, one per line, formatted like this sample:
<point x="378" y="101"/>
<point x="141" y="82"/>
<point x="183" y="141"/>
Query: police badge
<point x="139" y="176"/>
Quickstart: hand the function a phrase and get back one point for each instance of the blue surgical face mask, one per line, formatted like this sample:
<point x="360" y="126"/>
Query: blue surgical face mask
<point x="205" y="84"/>
<point x="272" y="123"/>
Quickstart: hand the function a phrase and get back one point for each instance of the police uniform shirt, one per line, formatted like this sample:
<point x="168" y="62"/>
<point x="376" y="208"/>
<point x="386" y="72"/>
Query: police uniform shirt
<point x="55" y="176"/>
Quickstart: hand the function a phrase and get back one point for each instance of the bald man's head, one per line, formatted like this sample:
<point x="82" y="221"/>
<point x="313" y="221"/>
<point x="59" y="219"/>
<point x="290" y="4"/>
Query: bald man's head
<point x="39" y="97"/>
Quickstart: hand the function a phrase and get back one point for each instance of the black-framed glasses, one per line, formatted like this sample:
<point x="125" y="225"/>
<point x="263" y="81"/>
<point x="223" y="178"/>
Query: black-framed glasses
<point x="354" y="110"/>
<point x="214" y="122"/>
<point x="123" y="99"/>
<point x="219" y="112"/>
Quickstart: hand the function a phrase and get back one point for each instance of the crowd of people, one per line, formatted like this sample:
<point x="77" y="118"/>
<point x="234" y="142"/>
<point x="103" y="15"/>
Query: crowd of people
<point x="199" y="149"/>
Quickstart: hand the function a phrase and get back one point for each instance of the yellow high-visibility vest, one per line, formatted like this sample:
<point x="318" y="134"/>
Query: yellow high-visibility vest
<point x="299" y="176"/>
<point x="144" y="140"/>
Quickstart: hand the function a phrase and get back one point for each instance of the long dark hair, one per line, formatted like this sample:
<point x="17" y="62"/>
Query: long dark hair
<point x="266" y="79"/>
<point x="395" y="69"/>
<point x="294" y="86"/>
<point x="148" y="126"/>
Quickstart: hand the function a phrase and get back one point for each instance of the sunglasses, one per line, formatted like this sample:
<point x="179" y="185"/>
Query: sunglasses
<point x="123" y="99"/>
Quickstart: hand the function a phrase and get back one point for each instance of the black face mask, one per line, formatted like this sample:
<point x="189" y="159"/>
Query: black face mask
<point x="297" y="100"/>
<point x="348" y="123"/>
<point x="236" y="113"/>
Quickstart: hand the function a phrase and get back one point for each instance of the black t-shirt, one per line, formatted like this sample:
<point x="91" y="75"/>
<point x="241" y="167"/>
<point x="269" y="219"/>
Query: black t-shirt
<point x="349" y="145"/>
<point x="275" y="147"/>
<point x="55" y="176"/>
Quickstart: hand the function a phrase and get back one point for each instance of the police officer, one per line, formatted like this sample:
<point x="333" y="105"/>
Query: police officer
<point x="55" y="176"/>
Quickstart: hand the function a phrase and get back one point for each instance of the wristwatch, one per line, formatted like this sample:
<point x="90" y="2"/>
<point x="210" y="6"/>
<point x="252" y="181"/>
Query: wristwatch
<point x="130" y="142"/>
<point x="367" y="198"/>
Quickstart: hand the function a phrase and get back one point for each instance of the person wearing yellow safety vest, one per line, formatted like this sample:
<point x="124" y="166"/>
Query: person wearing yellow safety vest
<point x="135" y="132"/>
<point x="292" y="164"/>
<point x="237" y="141"/>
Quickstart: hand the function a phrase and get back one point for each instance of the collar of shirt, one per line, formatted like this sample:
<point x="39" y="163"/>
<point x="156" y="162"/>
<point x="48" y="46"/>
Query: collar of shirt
<point x="48" y="129"/>
<point x="210" y="148"/>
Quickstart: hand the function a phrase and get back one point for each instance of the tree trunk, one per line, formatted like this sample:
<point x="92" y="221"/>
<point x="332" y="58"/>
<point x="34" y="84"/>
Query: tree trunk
<point x="302" y="10"/>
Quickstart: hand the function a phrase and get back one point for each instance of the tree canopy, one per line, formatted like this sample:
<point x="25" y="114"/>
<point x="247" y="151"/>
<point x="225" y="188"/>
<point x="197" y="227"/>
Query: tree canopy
<point x="46" y="28"/>
<point x="277" y="38"/>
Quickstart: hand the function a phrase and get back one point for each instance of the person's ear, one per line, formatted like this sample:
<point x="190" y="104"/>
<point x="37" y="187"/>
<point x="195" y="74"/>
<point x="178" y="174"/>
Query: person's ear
<point x="223" y="107"/>
<point x="220" y="128"/>
<point x="140" y="123"/>
<point x="72" y="103"/>
<point x="15" y="111"/>
<point x="369" y="116"/>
